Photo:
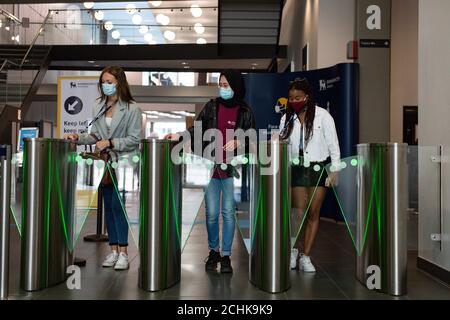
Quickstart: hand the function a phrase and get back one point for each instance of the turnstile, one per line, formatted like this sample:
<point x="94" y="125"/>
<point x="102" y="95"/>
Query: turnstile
<point x="270" y="207"/>
<point x="160" y="216"/>
<point x="5" y="198"/>
<point x="49" y="182"/>
<point x="382" y="216"/>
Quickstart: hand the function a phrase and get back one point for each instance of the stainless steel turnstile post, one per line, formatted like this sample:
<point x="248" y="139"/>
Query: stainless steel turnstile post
<point x="5" y="196"/>
<point x="270" y="219"/>
<point x="160" y="217"/>
<point x="49" y="172"/>
<point x="382" y="215"/>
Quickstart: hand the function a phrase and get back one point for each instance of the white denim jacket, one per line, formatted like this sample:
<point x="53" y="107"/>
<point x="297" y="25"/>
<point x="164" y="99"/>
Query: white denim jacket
<point x="323" y="143"/>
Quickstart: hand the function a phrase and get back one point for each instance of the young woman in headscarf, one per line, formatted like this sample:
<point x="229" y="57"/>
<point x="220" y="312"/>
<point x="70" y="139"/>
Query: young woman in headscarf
<point x="227" y="112"/>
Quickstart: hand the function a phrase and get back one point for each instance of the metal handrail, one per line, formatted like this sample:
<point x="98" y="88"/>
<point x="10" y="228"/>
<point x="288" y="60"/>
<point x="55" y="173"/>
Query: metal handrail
<point x="6" y="62"/>
<point x="41" y="28"/>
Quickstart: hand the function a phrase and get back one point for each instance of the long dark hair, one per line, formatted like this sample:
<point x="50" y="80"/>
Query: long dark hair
<point x="302" y="85"/>
<point x="123" y="89"/>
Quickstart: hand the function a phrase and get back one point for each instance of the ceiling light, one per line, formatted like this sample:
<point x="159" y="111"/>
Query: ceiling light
<point x="156" y="3"/>
<point x="99" y="15"/>
<point x="7" y="28"/>
<point x="17" y="38"/>
<point x="88" y="5"/>
<point x="137" y="19"/>
<point x="148" y="37"/>
<point x="143" y="29"/>
<point x="123" y="42"/>
<point x="184" y="63"/>
<point x="201" y="41"/>
<point x="254" y="64"/>
<point x="169" y="35"/>
<point x="199" y="28"/>
<point x="184" y="113"/>
<point x="162" y="19"/>
<point x="13" y="38"/>
<point x="196" y="11"/>
<point x="109" y="25"/>
<point x="131" y="8"/>
<point x="91" y="61"/>
<point x="115" y="34"/>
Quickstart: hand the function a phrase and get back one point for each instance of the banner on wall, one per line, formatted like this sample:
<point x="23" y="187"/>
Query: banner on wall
<point x="76" y="98"/>
<point x="335" y="89"/>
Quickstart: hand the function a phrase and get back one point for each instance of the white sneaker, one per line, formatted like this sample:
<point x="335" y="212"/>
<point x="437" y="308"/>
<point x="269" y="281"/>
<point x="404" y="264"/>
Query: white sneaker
<point x="110" y="260"/>
<point x="306" y="264"/>
<point x="122" y="262"/>
<point x="294" y="256"/>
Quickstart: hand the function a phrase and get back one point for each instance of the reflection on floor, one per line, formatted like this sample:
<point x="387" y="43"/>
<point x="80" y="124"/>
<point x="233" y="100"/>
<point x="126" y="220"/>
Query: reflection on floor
<point x="333" y="256"/>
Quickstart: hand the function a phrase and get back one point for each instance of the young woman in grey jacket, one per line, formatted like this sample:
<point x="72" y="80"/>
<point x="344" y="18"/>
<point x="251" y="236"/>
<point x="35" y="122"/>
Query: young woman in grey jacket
<point x="116" y="130"/>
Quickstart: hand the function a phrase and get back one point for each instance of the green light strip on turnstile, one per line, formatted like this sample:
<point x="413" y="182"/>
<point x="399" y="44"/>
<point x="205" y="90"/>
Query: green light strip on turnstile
<point x="142" y="244"/>
<point x="285" y="193"/>
<point x="309" y="205"/>
<point x="174" y="208"/>
<point x="263" y="226"/>
<point x="174" y="204"/>
<point x="369" y="211"/>
<point x="381" y="216"/>
<point x="120" y="199"/>
<point x="85" y="215"/>
<point x="258" y="210"/>
<point x="373" y="193"/>
<point x="61" y="206"/>
<point x="47" y="188"/>
<point x="166" y="210"/>
<point x="24" y="193"/>
<point x="345" y="219"/>
<point x="18" y="226"/>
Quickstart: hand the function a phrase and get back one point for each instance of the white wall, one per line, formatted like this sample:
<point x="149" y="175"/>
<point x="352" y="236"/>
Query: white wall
<point x="325" y="25"/>
<point x="434" y="115"/>
<point x="299" y="26"/>
<point x="336" y="28"/>
<point x="404" y="61"/>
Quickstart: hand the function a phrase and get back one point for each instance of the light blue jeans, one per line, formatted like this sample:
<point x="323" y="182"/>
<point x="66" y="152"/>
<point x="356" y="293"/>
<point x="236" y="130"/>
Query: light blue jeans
<point x="215" y="188"/>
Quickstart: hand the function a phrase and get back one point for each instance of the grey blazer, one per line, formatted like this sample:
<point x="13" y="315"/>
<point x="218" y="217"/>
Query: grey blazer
<point x="125" y="131"/>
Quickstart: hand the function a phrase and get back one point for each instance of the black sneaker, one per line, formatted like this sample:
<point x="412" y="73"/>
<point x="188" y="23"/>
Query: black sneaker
<point x="212" y="260"/>
<point x="225" y="265"/>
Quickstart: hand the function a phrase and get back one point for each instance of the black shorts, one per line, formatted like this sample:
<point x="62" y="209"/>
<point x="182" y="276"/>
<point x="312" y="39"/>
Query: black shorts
<point x="314" y="175"/>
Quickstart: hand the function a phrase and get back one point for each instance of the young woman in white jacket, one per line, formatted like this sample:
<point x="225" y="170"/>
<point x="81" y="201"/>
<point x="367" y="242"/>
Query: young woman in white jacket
<point x="312" y="134"/>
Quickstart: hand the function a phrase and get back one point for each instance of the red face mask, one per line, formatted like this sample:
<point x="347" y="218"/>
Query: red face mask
<point x="297" y="106"/>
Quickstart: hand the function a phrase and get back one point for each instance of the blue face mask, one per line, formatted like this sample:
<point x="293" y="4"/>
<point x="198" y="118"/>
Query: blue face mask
<point x="226" y="93"/>
<point x="109" y="89"/>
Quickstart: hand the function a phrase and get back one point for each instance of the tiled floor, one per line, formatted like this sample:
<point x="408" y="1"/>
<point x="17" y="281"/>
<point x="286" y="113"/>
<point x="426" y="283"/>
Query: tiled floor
<point x="333" y="256"/>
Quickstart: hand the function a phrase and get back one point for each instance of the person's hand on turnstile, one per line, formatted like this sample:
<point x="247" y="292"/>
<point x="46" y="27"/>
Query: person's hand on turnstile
<point x="71" y="136"/>
<point x="231" y="145"/>
<point x="103" y="144"/>
<point x="172" y="136"/>
<point x="332" y="180"/>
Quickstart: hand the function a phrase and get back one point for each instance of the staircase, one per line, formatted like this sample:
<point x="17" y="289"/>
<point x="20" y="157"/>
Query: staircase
<point x="22" y="70"/>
